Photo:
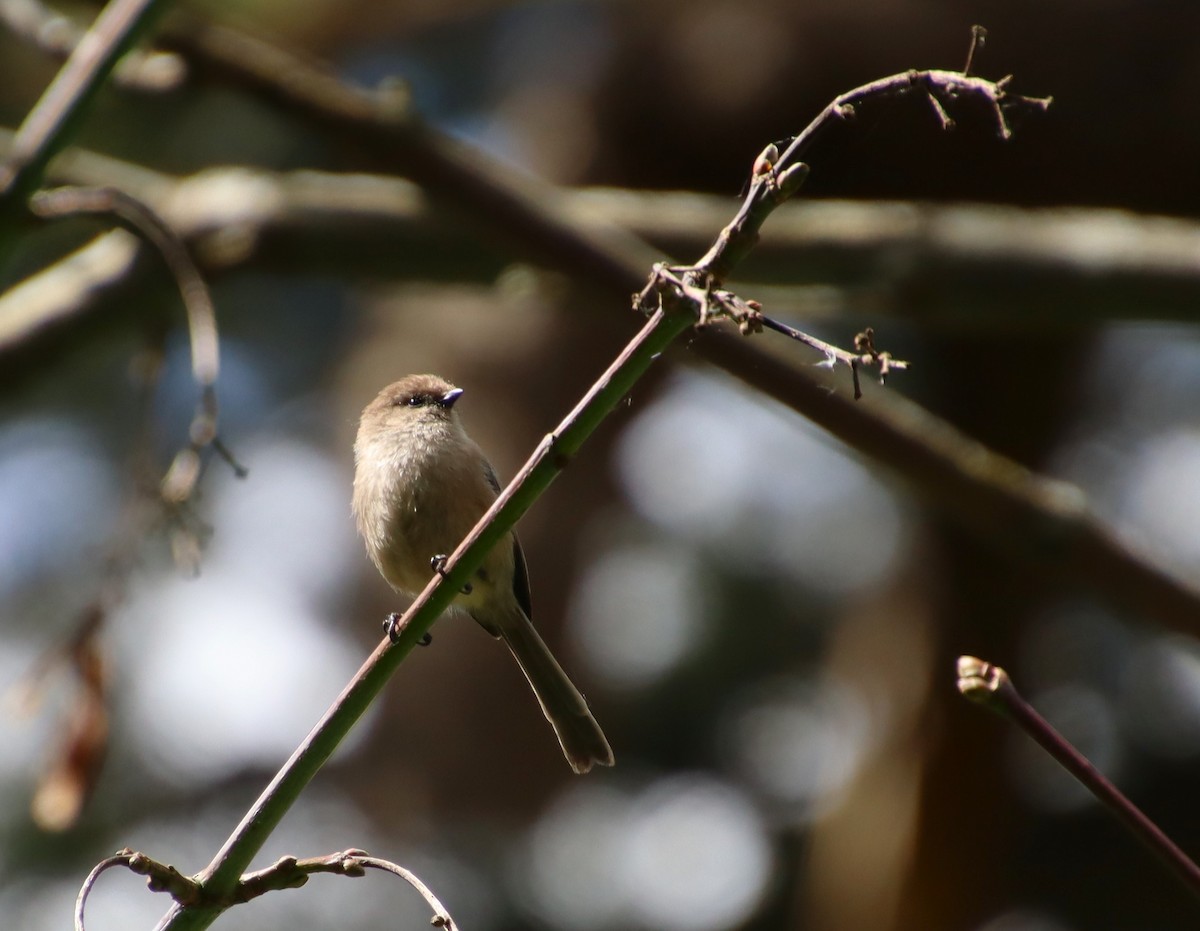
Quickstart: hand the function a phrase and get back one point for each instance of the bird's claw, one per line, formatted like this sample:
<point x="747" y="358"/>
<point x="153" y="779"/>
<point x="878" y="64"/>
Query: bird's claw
<point x="394" y="626"/>
<point x="438" y="565"/>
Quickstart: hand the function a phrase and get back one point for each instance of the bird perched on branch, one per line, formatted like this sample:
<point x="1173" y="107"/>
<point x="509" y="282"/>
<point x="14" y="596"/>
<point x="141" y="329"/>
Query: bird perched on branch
<point x="420" y="485"/>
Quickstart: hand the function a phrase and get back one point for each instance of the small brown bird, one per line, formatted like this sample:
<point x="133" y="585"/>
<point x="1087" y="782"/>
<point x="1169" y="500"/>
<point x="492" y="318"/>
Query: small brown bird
<point x="420" y="485"/>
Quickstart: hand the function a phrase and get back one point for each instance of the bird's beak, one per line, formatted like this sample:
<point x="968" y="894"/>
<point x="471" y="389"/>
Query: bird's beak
<point x="450" y="397"/>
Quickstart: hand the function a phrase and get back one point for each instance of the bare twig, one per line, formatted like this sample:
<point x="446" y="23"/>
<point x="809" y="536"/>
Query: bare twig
<point x="978" y="40"/>
<point x="990" y="686"/>
<point x="160" y="877"/>
<point x="691" y="286"/>
<point x="285" y="873"/>
<point x="441" y="917"/>
<point x="121" y="858"/>
<point x="783" y="172"/>
<point x="181" y="477"/>
<point x="290" y="873"/>
<point x="774" y="178"/>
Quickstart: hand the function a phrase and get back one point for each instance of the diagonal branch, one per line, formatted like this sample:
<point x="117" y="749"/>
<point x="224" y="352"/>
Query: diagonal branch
<point x="48" y="125"/>
<point x="991" y="687"/>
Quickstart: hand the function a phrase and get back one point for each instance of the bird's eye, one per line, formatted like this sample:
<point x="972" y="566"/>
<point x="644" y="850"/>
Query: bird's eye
<point x="415" y="400"/>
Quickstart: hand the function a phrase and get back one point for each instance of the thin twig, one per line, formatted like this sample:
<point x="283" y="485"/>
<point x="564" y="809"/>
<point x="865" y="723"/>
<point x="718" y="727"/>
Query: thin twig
<point x="978" y="40"/>
<point x="991" y="687"/>
<point x="775" y="177"/>
<point x="441" y="917"/>
<point x="866" y="353"/>
<point x="160" y="877"/>
<point x="769" y="188"/>
<point x="142" y="219"/>
<point x="291" y="873"/>
<point x="121" y="858"/>
<point x="180" y="480"/>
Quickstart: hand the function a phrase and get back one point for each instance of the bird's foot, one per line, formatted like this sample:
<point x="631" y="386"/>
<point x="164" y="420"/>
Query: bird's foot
<point x="393" y="626"/>
<point x="438" y="565"/>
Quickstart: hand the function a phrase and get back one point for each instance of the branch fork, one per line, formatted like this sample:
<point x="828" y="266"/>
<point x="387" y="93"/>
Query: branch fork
<point x="288" y="872"/>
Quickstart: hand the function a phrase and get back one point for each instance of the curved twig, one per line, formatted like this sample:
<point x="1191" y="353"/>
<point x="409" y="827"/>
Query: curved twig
<point x="121" y="858"/>
<point x="160" y="877"/>
<point x="181" y="477"/>
<point x="441" y="917"/>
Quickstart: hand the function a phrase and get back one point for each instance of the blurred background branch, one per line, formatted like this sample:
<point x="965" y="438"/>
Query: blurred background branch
<point x="955" y="267"/>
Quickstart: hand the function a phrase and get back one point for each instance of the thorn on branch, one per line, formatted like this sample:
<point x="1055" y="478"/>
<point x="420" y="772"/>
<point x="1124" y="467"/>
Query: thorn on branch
<point x="226" y="454"/>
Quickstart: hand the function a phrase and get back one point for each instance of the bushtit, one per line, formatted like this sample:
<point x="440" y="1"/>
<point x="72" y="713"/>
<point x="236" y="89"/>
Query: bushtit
<point x="420" y="485"/>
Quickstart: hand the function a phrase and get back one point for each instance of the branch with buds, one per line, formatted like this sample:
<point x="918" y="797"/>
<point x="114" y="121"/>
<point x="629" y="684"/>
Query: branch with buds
<point x="284" y="873"/>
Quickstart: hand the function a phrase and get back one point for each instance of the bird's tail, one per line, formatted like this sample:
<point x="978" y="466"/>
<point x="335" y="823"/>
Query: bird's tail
<point x="583" y="743"/>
